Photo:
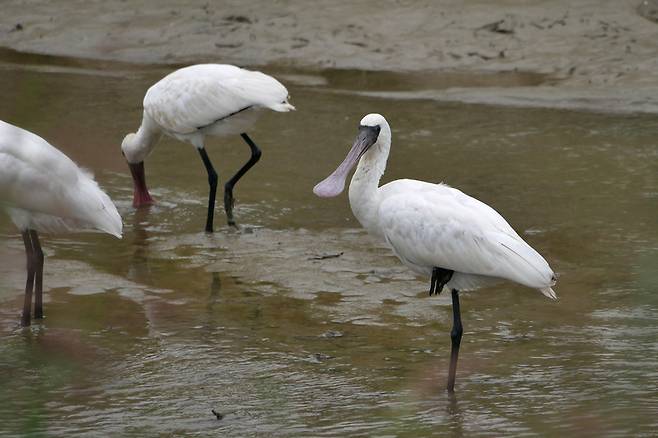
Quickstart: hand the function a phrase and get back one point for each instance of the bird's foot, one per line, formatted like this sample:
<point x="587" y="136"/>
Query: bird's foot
<point x="433" y="281"/>
<point x="436" y="291"/>
<point x="440" y="277"/>
<point x="438" y="288"/>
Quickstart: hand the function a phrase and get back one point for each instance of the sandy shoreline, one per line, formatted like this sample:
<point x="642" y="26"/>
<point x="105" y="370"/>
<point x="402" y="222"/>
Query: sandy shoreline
<point x="597" y="54"/>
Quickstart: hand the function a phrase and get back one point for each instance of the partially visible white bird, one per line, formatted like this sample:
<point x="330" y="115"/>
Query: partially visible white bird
<point x="42" y="190"/>
<point x="436" y="230"/>
<point x="200" y="100"/>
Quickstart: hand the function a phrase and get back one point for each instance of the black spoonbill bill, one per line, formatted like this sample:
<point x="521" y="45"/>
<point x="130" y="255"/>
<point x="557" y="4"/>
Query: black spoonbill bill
<point x="42" y="190"/>
<point x="437" y="231"/>
<point x="200" y="100"/>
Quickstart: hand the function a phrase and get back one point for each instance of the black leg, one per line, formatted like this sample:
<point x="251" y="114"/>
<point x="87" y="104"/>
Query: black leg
<point x="440" y="277"/>
<point x="212" y="182"/>
<point x="433" y="281"/>
<point x="29" y="253"/>
<point x="228" y="187"/>
<point x="456" y="337"/>
<point x="38" y="279"/>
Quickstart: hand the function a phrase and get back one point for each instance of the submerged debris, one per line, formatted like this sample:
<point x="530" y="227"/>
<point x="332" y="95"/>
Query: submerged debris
<point x="501" y="26"/>
<point x="217" y="414"/>
<point x="332" y="334"/>
<point x="319" y="357"/>
<point x="238" y="19"/>
<point x="326" y="256"/>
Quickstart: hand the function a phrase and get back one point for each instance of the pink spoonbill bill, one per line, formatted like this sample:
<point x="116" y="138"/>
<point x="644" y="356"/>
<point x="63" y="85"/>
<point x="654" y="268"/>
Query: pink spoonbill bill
<point x="197" y="101"/>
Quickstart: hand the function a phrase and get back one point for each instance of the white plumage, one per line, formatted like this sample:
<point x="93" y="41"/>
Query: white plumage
<point x="198" y="96"/>
<point x="196" y="101"/>
<point x="430" y="225"/>
<point x="43" y="190"/>
<point x="434" y="225"/>
<point x="434" y="229"/>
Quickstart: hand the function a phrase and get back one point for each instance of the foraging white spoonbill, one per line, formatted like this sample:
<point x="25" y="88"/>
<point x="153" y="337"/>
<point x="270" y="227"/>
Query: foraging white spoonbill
<point x="201" y="100"/>
<point x="435" y="230"/>
<point x="42" y="190"/>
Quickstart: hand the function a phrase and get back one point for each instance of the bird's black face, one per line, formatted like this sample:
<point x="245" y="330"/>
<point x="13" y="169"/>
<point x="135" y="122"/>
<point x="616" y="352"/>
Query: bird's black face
<point x="334" y="183"/>
<point x="366" y="137"/>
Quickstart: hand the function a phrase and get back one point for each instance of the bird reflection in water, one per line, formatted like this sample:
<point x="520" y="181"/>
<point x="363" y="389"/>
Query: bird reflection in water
<point x="139" y="270"/>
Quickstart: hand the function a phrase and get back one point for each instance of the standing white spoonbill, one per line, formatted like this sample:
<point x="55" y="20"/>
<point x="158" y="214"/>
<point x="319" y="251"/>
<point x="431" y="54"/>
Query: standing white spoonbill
<point x="435" y="230"/>
<point x="42" y="190"/>
<point x="200" y="100"/>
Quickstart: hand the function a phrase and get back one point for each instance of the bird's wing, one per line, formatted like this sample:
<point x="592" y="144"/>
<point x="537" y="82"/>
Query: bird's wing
<point x="38" y="179"/>
<point x="199" y="95"/>
<point x="435" y="225"/>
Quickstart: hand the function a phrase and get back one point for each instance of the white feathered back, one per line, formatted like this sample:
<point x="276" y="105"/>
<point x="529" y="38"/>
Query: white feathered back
<point x="198" y="95"/>
<point x="43" y="189"/>
<point x="437" y="225"/>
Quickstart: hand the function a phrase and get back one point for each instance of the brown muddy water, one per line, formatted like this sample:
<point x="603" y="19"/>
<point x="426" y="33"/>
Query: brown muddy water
<point x="144" y="336"/>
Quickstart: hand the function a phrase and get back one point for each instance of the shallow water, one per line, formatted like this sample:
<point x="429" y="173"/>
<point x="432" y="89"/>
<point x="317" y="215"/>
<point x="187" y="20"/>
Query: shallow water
<point x="144" y="336"/>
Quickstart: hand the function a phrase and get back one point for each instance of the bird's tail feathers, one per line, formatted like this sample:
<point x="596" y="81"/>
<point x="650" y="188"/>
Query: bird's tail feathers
<point x="549" y="292"/>
<point x="99" y="210"/>
<point x="524" y="264"/>
<point x="281" y="107"/>
<point x="111" y="221"/>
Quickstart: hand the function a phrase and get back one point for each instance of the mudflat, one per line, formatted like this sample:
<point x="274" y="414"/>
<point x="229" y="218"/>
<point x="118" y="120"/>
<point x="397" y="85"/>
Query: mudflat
<point x="595" y="54"/>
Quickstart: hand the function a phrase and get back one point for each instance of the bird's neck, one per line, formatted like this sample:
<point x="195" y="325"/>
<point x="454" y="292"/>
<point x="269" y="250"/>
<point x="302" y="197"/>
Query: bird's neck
<point x="147" y="136"/>
<point x="363" y="192"/>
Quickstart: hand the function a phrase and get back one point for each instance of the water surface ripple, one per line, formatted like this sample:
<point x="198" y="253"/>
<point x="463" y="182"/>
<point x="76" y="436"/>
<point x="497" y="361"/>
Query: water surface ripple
<point x="144" y="336"/>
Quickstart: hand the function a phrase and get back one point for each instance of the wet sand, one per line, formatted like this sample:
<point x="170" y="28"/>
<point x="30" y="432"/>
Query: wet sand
<point x="595" y="54"/>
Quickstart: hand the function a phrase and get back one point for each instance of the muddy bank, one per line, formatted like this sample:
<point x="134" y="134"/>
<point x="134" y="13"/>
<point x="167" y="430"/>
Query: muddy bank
<point x="591" y="51"/>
